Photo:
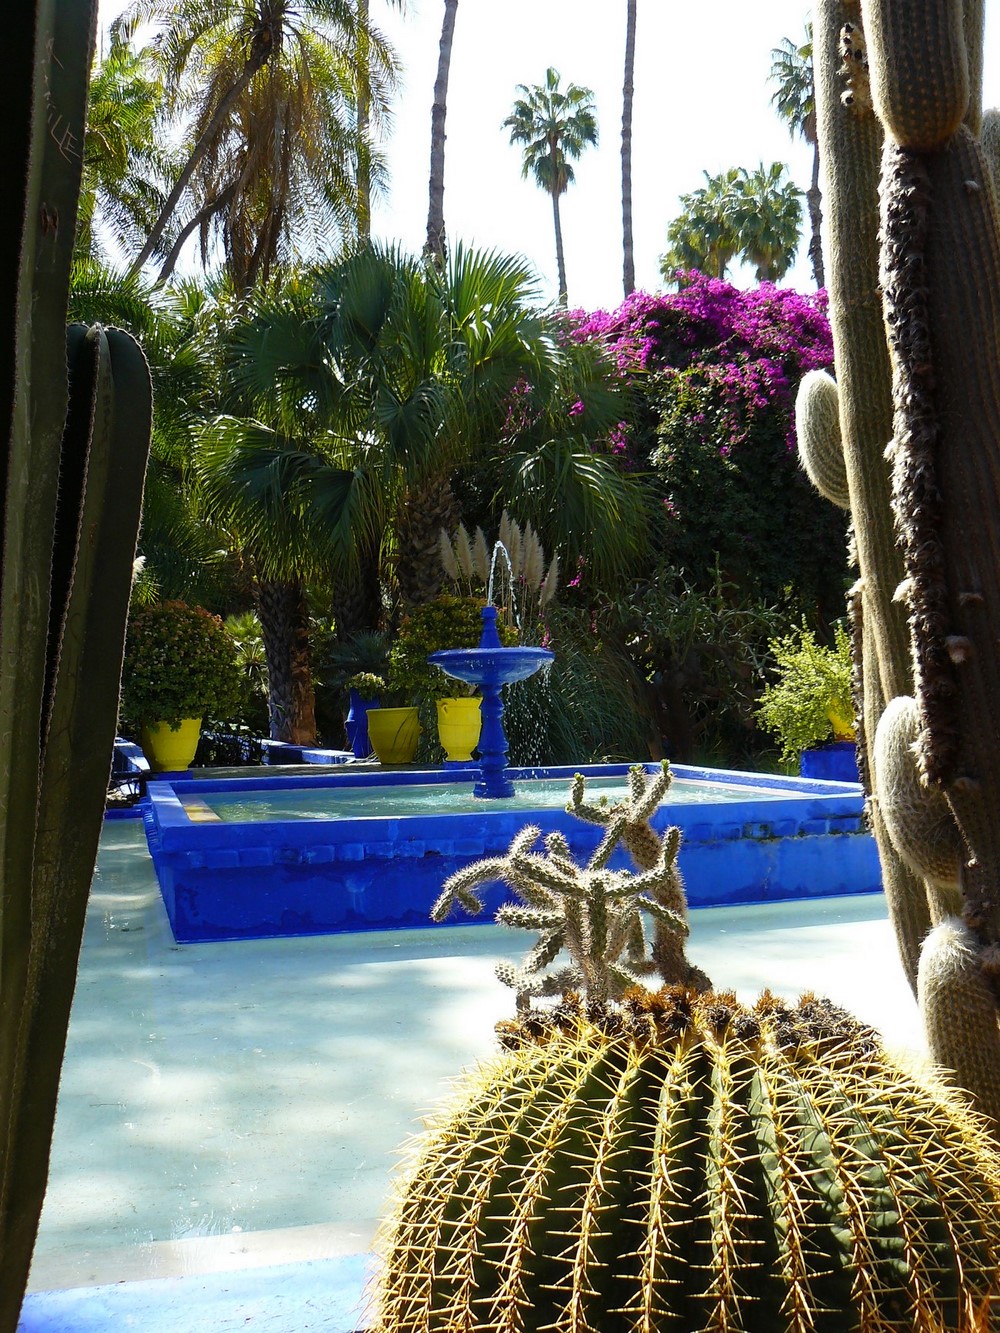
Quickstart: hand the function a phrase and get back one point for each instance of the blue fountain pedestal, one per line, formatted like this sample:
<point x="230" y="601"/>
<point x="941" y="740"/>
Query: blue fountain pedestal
<point x="492" y="747"/>
<point x="491" y="666"/>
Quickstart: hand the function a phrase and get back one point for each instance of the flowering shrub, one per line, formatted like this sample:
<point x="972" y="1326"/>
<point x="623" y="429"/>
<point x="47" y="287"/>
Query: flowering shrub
<point x="180" y="662"/>
<point x="719" y="368"/>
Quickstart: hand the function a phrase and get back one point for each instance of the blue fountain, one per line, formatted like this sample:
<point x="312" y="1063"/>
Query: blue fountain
<point x="491" y="666"/>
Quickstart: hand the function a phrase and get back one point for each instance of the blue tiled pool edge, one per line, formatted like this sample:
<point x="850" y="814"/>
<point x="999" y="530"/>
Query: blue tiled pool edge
<point x="237" y="881"/>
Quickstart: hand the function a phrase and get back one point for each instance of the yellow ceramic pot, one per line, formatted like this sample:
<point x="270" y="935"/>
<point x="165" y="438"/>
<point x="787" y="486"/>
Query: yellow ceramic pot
<point x="459" y="724"/>
<point x="168" y="749"/>
<point x="394" y="733"/>
<point x="843" y="725"/>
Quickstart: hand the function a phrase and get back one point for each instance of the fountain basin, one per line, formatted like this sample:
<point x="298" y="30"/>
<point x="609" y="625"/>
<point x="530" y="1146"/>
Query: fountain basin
<point x="772" y="838"/>
<point x="499" y="666"/>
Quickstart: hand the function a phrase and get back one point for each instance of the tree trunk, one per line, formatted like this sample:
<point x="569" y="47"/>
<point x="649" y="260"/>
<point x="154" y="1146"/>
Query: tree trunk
<point x="435" y="245"/>
<point x="284" y="622"/>
<point x="560" y="256"/>
<point x="356" y="599"/>
<point x="813" y="200"/>
<point x="363" y="168"/>
<point x="423" y="512"/>
<point x="628" y="267"/>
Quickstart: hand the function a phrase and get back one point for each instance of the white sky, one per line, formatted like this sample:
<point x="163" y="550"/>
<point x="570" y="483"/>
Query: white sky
<point x="702" y="102"/>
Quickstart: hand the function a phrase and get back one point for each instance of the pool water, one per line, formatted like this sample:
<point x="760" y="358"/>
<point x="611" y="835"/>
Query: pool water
<point x="370" y="802"/>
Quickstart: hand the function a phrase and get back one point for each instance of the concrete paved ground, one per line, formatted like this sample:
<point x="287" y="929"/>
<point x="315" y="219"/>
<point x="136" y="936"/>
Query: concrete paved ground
<point x="238" y="1106"/>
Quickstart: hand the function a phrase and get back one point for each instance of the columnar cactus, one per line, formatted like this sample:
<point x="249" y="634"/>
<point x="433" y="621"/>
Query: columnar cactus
<point x="77" y="412"/>
<point x="910" y="74"/>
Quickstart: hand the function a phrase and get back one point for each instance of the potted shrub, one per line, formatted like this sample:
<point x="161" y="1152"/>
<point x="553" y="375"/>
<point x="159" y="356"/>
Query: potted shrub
<point x="808" y="706"/>
<point x="450" y="705"/>
<point x="180" y="666"/>
<point x="365" y="691"/>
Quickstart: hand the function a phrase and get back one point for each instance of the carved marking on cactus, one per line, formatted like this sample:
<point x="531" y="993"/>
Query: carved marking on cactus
<point x="916" y="498"/>
<point x="959" y="648"/>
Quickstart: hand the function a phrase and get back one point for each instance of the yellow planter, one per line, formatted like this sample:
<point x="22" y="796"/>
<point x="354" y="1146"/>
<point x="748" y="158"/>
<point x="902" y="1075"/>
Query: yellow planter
<point x="843" y="726"/>
<point x="169" y="750"/>
<point x="459" y="724"/>
<point x="394" y="733"/>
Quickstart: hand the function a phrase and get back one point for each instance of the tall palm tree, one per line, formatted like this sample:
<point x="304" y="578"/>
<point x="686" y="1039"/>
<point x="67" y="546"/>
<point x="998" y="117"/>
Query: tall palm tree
<point x="628" y="89"/>
<point x="370" y="103"/>
<point x="435" y="244"/>
<point x="554" y="126"/>
<point x="124" y="163"/>
<point x="269" y="89"/>
<point x="766" y="211"/>
<point x="794" y="99"/>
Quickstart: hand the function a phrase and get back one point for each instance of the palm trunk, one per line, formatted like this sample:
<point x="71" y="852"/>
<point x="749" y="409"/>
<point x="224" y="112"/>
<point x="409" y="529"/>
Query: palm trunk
<point x="813" y="201"/>
<point x="434" y="246"/>
<point x="628" y="267"/>
<point x="363" y="169"/>
<point x="560" y="256"/>
<point x="284" y="623"/>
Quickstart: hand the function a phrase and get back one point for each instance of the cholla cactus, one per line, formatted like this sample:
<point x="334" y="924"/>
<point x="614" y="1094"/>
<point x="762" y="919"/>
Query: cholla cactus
<point x="592" y="913"/>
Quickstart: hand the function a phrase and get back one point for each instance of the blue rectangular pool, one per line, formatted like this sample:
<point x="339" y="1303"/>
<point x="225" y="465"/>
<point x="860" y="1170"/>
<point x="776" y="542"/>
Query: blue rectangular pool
<point x="251" y="858"/>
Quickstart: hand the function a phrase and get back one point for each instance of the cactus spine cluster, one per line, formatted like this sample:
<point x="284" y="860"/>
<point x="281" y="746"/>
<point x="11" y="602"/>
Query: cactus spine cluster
<point x="917" y="350"/>
<point x="677" y="1160"/>
<point x="77" y="420"/>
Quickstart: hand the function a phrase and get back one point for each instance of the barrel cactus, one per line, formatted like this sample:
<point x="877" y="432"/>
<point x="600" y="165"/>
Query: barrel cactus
<point x="674" y="1159"/>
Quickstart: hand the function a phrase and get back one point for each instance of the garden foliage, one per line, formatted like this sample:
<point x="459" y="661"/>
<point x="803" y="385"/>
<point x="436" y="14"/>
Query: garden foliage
<point x="718" y="369"/>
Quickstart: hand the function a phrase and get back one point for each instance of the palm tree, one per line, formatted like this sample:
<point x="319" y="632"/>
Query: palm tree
<point x="123" y="162"/>
<point x="702" y="236"/>
<point x="794" y="100"/>
<point x="435" y="244"/>
<point x="369" y="163"/>
<point x="753" y="215"/>
<point x="628" y="265"/>
<point x="554" y="127"/>
<point x="767" y="216"/>
<point x="272" y="146"/>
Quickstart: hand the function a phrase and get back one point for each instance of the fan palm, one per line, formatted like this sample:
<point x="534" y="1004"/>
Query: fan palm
<point x="766" y="212"/>
<point x="794" y="99"/>
<point x="755" y="215"/>
<point x="554" y="126"/>
<point x="268" y="475"/>
<point x="702" y="236"/>
<point x="271" y="90"/>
